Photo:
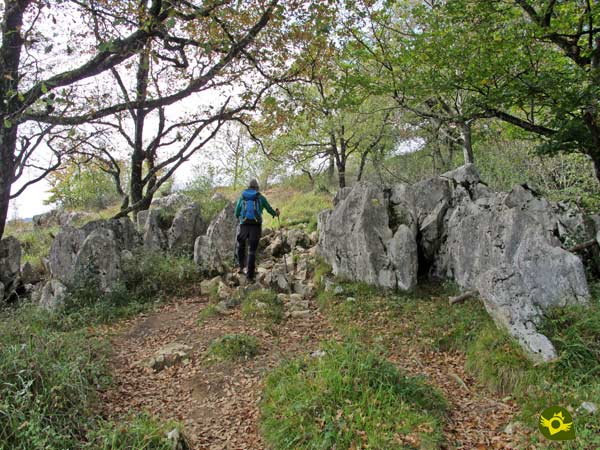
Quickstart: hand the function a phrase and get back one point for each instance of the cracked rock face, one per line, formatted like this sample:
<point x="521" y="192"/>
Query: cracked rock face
<point x="215" y="250"/>
<point x="187" y="226"/>
<point x="503" y="245"/>
<point x="356" y="238"/>
<point x="95" y="248"/>
<point x="10" y="266"/>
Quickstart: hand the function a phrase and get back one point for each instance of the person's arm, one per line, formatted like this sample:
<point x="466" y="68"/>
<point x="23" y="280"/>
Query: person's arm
<point x="238" y="208"/>
<point x="265" y="204"/>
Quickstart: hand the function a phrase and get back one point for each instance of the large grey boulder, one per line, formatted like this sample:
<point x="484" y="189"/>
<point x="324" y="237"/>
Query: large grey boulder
<point x="53" y="295"/>
<point x="356" y="239"/>
<point x="172" y="201"/>
<point x="187" y="226"/>
<point x="99" y="260"/>
<point x="63" y="252"/>
<point x="30" y="274"/>
<point x="298" y="238"/>
<point x="504" y="245"/>
<point x="10" y="261"/>
<point x="158" y="222"/>
<point x="505" y="248"/>
<point x="214" y="251"/>
<point x="59" y="217"/>
<point x="124" y="231"/>
<point x="68" y="243"/>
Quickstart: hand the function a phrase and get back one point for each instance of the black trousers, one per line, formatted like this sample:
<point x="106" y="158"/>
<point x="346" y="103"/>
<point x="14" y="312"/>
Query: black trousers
<point x="249" y="234"/>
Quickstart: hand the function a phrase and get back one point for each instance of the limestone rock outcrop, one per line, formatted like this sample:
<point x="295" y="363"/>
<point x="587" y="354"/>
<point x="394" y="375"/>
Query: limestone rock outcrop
<point x="10" y="266"/>
<point x="504" y="245"/>
<point x="215" y="250"/>
<point x="358" y="240"/>
<point x="187" y="225"/>
<point x="155" y="231"/>
<point x="92" y="253"/>
<point x="60" y="218"/>
<point x="53" y="295"/>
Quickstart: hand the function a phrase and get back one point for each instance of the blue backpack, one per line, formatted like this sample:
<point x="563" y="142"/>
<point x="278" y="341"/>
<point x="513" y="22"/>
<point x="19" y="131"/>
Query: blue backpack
<point x="250" y="207"/>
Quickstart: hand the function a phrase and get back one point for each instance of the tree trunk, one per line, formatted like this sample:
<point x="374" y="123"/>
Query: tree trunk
<point x="136" y="191"/>
<point x="331" y="168"/>
<point x="341" y="167"/>
<point x="590" y="117"/>
<point x="340" y="157"/>
<point x="10" y="55"/>
<point x="361" y="168"/>
<point x="466" y="135"/>
<point x="8" y="142"/>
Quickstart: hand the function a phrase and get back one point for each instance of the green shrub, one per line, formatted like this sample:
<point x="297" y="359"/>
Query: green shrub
<point x="154" y="274"/>
<point x="234" y="346"/>
<point x="139" y="433"/>
<point x="263" y="304"/>
<point x="201" y="190"/>
<point x="349" y="398"/>
<point x="35" y="244"/>
<point x="78" y="185"/>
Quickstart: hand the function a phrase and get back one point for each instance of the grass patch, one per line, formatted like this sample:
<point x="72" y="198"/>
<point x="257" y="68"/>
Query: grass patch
<point x="575" y="332"/>
<point x="493" y="357"/>
<point x="140" y="433"/>
<point x="48" y="389"/>
<point x="234" y="346"/>
<point x="156" y="275"/>
<point x="263" y="305"/>
<point x="210" y="311"/>
<point x="350" y="398"/>
<point x="296" y="207"/>
<point x="52" y="363"/>
<point x="424" y="314"/>
<point x="499" y="363"/>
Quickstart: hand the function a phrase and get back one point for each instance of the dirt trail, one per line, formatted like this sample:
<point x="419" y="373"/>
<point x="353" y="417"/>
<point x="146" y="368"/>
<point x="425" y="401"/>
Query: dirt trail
<point x="219" y="402"/>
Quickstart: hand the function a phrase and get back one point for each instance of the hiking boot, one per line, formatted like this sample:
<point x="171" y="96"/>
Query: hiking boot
<point x="240" y="271"/>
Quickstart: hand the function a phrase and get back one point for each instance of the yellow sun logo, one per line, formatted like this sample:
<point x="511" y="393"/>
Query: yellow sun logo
<point x="556" y="424"/>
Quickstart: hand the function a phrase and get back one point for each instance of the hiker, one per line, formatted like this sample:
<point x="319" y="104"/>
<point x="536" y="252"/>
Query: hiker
<point x="249" y="210"/>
